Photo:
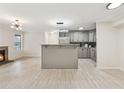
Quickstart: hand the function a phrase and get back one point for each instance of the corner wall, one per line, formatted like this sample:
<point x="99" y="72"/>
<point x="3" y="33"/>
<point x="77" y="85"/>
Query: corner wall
<point x="32" y="44"/>
<point x="52" y="37"/>
<point x="107" y="46"/>
<point x="7" y="39"/>
<point x="121" y="48"/>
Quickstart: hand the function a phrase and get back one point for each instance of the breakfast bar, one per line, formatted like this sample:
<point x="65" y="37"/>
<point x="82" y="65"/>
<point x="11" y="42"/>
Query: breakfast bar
<point x="55" y="56"/>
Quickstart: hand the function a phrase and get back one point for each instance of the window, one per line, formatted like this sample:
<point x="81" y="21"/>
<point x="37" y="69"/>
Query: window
<point x="18" y="42"/>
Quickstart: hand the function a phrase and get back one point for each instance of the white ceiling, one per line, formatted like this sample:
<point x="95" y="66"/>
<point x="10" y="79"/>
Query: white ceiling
<point x="43" y="17"/>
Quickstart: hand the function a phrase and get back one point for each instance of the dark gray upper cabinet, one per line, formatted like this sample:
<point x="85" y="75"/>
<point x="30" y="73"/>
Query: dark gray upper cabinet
<point x="85" y="36"/>
<point x="82" y="36"/>
<point x="78" y="36"/>
<point x="92" y="36"/>
<point x="71" y="36"/>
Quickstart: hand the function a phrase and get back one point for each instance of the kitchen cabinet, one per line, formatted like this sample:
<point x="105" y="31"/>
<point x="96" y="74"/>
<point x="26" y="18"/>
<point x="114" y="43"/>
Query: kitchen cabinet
<point x="85" y="36"/>
<point x="93" y="53"/>
<point x="82" y="36"/>
<point x="80" y="53"/>
<point x="87" y="53"/>
<point x="83" y="52"/>
<point x="78" y="36"/>
<point x="71" y="35"/>
<point x="92" y="36"/>
<point x="74" y="36"/>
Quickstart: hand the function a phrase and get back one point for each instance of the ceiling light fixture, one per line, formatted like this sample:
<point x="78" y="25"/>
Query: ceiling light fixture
<point x="59" y="23"/>
<point x="113" y="5"/>
<point x="16" y="25"/>
<point x="81" y="28"/>
<point x="60" y="26"/>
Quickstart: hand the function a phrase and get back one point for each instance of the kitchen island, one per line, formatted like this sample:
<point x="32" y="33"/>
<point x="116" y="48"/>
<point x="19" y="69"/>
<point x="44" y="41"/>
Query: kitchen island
<point x="54" y="56"/>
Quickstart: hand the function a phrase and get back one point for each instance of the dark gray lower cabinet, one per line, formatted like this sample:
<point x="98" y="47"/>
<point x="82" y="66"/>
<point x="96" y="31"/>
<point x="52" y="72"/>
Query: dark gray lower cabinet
<point x="83" y="53"/>
<point x="93" y="53"/>
<point x="80" y="54"/>
<point x="87" y="53"/>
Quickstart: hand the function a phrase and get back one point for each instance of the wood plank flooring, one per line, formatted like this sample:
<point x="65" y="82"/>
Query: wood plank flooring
<point x="27" y="73"/>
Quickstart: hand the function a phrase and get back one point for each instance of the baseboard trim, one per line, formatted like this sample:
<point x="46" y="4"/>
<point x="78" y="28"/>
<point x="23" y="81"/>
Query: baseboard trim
<point x="32" y="56"/>
<point x="26" y="57"/>
<point x="108" y="67"/>
<point x="18" y="58"/>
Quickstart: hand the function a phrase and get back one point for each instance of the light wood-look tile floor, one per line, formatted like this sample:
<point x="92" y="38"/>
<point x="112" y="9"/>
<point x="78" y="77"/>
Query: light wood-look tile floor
<point x="27" y="73"/>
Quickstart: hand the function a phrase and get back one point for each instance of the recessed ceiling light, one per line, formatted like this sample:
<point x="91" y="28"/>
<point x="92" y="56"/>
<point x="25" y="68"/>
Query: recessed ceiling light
<point x="113" y="5"/>
<point x="81" y="28"/>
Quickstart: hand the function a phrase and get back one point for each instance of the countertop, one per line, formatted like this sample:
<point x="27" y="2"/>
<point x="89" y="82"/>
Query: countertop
<point x="59" y="44"/>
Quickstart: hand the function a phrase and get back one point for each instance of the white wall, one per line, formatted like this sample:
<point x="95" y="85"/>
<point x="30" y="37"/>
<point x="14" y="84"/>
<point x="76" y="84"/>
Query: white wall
<point x="51" y="38"/>
<point x="7" y="39"/>
<point x="107" y="46"/>
<point x="121" y="48"/>
<point x="32" y="43"/>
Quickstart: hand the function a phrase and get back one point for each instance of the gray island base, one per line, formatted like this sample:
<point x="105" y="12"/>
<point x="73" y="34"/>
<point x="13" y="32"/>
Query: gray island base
<point x="59" y="56"/>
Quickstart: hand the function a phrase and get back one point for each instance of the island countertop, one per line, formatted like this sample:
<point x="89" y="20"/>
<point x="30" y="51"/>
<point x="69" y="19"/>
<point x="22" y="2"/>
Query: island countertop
<point x="59" y="56"/>
<point x="75" y="45"/>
